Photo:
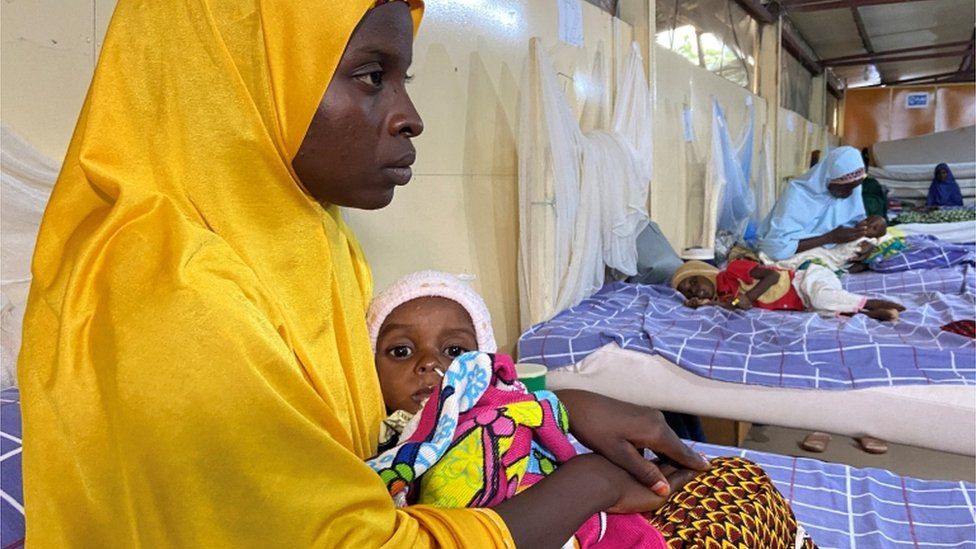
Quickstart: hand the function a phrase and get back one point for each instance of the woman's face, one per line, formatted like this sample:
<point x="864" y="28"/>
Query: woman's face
<point x="942" y="174"/>
<point x="842" y="190"/>
<point x="357" y="149"/>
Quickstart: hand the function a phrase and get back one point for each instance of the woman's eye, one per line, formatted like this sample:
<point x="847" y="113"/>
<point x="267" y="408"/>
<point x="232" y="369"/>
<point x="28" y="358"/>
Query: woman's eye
<point x="374" y="78"/>
<point x="400" y="351"/>
<point x="455" y="351"/>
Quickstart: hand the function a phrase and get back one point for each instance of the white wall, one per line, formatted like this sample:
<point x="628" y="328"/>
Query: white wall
<point x="48" y="50"/>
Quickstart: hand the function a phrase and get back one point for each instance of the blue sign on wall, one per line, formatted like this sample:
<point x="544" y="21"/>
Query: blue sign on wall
<point x="918" y="100"/>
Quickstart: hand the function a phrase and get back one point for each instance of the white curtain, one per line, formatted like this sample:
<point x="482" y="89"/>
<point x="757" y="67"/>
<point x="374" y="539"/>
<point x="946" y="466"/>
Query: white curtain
<point x="582" y="197"/>
<point x="26" y="177"/>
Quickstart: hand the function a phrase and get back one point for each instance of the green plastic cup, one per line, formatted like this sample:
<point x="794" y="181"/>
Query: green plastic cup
<point x="533" y="376"/>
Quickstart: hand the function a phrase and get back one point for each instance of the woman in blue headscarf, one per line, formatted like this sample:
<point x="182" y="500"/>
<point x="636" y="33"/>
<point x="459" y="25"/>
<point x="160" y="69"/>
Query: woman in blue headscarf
<point x="822" y="207"/>
<point x="944" y="191"/>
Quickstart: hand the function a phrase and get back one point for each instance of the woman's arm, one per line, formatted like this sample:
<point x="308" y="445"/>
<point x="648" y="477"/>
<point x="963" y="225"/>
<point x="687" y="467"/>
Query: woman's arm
<point x="549" y="512"/>
<point x="839" y="235"/>
<point x="619" y="431"/>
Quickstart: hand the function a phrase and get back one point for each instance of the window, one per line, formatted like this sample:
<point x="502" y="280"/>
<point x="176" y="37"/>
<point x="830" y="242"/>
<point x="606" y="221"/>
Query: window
<point x="716" y="35"/>
<point x="795" y="86"/>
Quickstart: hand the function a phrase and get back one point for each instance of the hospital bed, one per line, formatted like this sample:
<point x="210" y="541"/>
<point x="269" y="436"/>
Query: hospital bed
<point x="907" y="382"/>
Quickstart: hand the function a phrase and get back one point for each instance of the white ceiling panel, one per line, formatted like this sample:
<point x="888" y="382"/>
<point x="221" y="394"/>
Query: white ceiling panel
<point x="831" y="33"/>
<point x="910" y="24"/>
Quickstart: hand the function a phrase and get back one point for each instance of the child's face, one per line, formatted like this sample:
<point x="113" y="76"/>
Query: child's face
<point x="417" y="337"/>
<point x="942" y="174"/>
<point x="876" y="226"/>
<point x="697" y="286"/>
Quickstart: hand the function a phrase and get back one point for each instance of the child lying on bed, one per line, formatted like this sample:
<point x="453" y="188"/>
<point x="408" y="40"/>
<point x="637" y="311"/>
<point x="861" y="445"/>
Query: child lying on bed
<point x="878" y="243"/>
<point x="746" y="284"/>
<point x="463" y="432"/>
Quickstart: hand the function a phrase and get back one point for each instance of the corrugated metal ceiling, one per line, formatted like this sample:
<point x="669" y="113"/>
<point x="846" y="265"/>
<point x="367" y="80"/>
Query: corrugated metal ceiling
<point x="913" y="29"/>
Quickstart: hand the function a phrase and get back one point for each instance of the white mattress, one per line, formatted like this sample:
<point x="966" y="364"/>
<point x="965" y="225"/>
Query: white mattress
<point x="960" y="232"/>
<point x="938" y="417"/>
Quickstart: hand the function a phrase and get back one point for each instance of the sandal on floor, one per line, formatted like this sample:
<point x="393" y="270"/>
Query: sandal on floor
<point x="872" y="445"/>
<point x="815" y="442"/>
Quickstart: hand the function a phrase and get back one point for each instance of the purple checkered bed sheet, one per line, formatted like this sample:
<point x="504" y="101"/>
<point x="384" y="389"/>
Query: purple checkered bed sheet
<point x="11" y="478"/>
<point x="844" y="507"/>
<point x="773" y="348"/>
<point x="958" y="279"/>
<point x="926" y="252"/>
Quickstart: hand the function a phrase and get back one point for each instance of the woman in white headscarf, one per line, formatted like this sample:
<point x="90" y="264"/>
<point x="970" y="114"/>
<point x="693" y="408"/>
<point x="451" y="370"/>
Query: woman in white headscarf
<point x="822" y="207"/>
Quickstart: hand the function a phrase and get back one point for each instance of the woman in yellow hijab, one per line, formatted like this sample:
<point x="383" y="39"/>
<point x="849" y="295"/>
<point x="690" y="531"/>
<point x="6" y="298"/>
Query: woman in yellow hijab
<point x="196" y="370"/>
<point x="187" y="368"/>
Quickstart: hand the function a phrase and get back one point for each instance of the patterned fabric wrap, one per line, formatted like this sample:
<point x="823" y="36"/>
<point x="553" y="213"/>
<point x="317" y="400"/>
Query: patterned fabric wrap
<point x="735" y="506"/>
<point x="887" y="247"/>
<point x="481" y="438"/>
<point x="942" y="215"/>
<point x="966" y="328"/>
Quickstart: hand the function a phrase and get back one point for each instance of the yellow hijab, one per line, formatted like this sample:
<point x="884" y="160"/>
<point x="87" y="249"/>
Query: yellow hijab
<point x="196" y="370"/>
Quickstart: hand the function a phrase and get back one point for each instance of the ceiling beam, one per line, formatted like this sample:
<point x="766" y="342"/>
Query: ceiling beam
<point x="876" y="59"/>
<point x="867" y="57"/>
<point x="967" y="62"/>
<point x="757" y="10"/>
<point x="821" y="5"/>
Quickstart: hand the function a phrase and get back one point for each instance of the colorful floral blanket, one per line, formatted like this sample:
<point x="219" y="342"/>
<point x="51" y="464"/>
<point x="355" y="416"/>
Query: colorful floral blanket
<point x="481" y="438"/>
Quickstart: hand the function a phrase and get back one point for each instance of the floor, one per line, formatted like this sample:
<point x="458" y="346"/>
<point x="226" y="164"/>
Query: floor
<point x="904" y="460"/>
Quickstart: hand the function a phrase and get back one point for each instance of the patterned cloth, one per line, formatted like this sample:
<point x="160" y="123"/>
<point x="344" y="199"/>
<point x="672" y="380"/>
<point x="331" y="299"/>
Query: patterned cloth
<point x="965" y="328"/>
<point x="891" y="244"/>
<point x="734" y="505"/>
<point x="481" y="438"/>
<point x="943" y="215"/>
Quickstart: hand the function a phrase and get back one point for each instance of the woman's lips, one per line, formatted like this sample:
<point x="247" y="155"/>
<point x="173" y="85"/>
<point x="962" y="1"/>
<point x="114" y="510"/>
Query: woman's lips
<point x="399" y="174"/>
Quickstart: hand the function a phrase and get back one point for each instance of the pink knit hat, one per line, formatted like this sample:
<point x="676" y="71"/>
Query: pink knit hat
<point x="432" y="284"/>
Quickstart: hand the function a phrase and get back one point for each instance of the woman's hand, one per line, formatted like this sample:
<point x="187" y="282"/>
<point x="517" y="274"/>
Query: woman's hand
<point x="547" y="513"/>
<point x="842" y="235"/>
<point x="627" y="495"/>
<point x="619" y="431"/>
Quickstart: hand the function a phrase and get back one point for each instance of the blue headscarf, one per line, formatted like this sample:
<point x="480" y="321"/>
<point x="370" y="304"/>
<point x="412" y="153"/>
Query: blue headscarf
<point x="806" y="208"/>
<point x="944" y="193"/>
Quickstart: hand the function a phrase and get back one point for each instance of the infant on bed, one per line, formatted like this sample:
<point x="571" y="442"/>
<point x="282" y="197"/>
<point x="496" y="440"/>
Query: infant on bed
<point x="879" y="243"/>
<point x="464" y="432"/>
<point x="745" y="284"/>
